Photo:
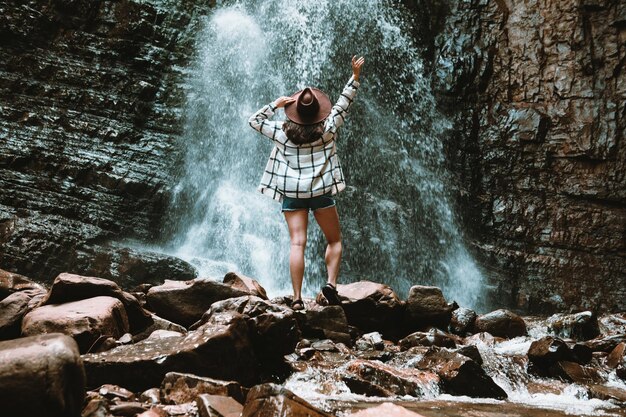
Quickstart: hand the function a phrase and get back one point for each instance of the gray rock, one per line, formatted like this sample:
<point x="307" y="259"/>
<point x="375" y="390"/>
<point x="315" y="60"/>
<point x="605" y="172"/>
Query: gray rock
<point x="41" y="376"/>
<point x="462" y="321"/>
<point x="579" y="326"/>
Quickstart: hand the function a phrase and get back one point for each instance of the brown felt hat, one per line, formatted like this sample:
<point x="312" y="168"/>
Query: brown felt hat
<point x="311" y="106"/>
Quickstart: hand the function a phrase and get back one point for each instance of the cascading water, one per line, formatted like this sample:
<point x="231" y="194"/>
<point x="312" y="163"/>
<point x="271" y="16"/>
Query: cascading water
<point x="397" y="224"/>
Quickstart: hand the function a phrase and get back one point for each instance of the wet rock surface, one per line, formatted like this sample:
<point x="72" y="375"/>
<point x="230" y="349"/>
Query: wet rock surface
<point x="41" y="376"/>
<point x="536" y="93"/>
<point x="85" y="320"/>
<point x="251" y="356"/>
<point x="92" y="96"/>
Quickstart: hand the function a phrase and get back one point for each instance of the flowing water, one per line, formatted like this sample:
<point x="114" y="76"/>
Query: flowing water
<point x="397" y="222"/>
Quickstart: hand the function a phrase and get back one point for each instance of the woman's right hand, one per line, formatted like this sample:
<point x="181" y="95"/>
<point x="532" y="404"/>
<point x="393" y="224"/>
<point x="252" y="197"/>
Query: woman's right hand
<point x="283" y="101"/>
<point x="356" y="66"/>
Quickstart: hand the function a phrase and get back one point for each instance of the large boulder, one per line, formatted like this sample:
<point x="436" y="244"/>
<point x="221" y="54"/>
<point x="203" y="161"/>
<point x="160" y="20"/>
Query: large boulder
<point x="460" y="375"/>
<point x="12" y="309"/>
<point x="179" y="388"/>
<point x="579" y="326"/>
<point x="11" y="282"/>
<point x="184" y="302"/>
<point x="270" y="400"/>
<point x="41" y="376"/>
<point x="274" y="329"/>
<point x="425" y="307"/>
<point x="244" y="283"/>
<point x="500" y="323"/>
<point x="373" y="378"/>
<point x="71" y="287"/>
<point x="221" y="350"/>
<point x="324" y="322"/>
<point x="85" y="320"/>
<point x="547" y="351"/>
<point x="371" y="307"/>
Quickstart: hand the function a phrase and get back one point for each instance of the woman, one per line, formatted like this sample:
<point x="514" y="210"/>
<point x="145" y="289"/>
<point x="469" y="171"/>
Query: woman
<point x="303" y="172"/>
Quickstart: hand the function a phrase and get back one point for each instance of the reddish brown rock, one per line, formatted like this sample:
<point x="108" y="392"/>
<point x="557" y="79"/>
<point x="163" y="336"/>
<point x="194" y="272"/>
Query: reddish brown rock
<point x="617" y="356"/>
<point x="574" y="372"/>
<point x="324" y="322"/>
<point x="218" y="406"/>
<point x="11" y="282"/>
<point x="111" y="392"/>
<point x="460" y="375"/>
<point x="127" y="409"/>
<point x="158" y="323"/>
<point x="71" y="287"/>
<point x="184" y="302"/>
<point x="425" y="307"/>
<point x="607" y="393"/>
<point x="371" y="307"/>
<point x="271" y="400"/>
<point x="274" y="329"/>
<point x="86" y="320"/>
<point x="12" y="310"/>
<point x="605" y="344"/>
<point x="41" y="376"/>
<point x="387" y="410"/>
<point x="154" y="412"/>
<point x="500" y="323"/>
<point x="181" y="388"/>
<point x="547" y="351"/>
<point x="375" y="378"/>
<point x="244" y="283"/>
<point x="434" y="337"/>
<point x="220" y="350"/>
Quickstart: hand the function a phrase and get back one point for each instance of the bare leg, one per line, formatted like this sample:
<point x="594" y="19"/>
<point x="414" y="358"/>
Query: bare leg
<point x="328" y="219"/>
<point x="297" y="221"/>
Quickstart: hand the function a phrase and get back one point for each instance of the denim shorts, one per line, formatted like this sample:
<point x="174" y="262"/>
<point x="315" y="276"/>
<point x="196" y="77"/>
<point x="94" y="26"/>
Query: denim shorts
<point x="314" y="203"/>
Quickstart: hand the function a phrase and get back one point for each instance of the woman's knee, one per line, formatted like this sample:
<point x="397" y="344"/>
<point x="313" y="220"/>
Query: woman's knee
<point x="336" y="246"/>
<point x="298" y="240"/>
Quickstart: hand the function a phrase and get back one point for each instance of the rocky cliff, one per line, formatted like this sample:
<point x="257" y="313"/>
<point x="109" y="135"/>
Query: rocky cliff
<point x="91" y="95"/>
<point x="537" y="92"/>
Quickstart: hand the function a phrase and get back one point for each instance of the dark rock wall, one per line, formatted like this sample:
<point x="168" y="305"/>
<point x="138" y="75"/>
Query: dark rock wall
<point x="537" y="92"/>
<point x="91" y="94"/>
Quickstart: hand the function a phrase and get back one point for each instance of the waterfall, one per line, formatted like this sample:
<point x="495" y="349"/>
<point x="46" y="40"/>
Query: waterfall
<point x="397" y="223"/>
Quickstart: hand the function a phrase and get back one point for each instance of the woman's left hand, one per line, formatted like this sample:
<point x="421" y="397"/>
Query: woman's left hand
<point x="283" y="101"/>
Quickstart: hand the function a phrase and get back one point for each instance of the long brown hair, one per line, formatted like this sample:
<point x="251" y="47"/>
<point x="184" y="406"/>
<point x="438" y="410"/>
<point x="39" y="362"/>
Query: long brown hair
<point x="301" y="134"/>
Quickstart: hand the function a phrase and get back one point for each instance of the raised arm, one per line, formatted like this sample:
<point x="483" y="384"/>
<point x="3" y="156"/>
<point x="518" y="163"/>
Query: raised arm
<point x="340" y="109"/>
<point x="260" y="122"/>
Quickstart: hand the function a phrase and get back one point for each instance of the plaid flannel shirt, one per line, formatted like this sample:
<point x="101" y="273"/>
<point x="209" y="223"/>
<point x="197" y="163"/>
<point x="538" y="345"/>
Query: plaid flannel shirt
<point x="307" y="170"/>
